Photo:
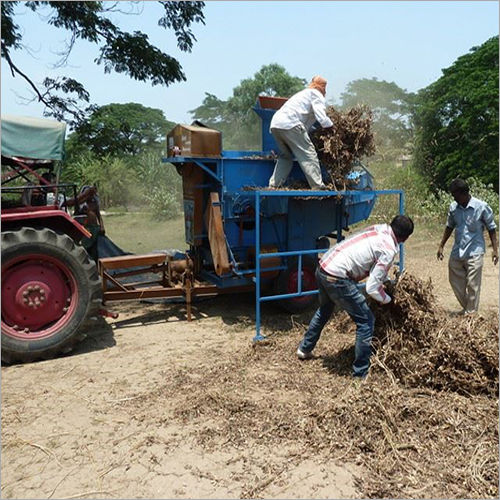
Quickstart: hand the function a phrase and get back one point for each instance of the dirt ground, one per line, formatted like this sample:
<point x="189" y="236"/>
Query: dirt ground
<point x="108" y="421"/>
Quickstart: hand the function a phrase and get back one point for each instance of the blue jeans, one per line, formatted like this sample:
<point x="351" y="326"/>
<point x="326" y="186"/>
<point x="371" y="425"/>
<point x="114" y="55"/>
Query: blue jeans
<point x="344" y="294"/>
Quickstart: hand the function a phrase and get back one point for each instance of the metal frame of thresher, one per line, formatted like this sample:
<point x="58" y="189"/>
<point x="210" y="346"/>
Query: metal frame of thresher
<point x="260" y="256"/>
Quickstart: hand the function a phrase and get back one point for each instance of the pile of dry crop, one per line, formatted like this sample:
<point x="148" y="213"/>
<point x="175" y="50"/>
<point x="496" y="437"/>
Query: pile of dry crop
<point x="350" y="139"/>
<point x="424" y="424"/>
<point x="422" y="346"/>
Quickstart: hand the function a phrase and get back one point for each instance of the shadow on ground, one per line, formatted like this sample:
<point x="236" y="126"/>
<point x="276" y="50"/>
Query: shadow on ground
<point x="236" y="311"/>
<point x="341" y="362"/>
<point x="100" y="336"/>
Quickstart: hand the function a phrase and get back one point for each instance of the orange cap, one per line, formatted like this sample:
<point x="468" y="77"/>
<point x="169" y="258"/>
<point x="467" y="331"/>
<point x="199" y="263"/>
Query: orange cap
<point x="318" y="83"/>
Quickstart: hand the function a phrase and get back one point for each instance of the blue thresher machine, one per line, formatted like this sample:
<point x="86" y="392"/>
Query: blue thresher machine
<point x="241" y="235"/>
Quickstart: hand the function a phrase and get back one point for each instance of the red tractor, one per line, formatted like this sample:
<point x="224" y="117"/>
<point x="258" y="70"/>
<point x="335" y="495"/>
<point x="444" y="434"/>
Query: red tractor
<point x="51" y="290"/>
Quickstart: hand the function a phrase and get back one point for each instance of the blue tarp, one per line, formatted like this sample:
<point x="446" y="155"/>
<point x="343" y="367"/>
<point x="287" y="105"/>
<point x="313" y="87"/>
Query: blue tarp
<point x="106" y="248"/>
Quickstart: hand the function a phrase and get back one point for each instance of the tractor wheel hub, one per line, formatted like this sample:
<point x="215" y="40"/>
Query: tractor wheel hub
<point x="35" y="294"/>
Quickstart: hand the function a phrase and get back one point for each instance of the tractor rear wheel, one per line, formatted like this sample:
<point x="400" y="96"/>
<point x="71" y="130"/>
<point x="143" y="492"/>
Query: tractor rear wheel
<point x="50" y="289"/>
<point x="287" y="282"/>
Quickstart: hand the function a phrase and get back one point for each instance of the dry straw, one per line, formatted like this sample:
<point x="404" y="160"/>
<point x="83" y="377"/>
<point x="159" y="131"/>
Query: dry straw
<point x="350" y="139"/>
<point x="424" y="424"/>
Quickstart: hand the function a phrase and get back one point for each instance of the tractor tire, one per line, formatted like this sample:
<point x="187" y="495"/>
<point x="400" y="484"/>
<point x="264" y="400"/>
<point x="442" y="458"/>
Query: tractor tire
<point x="51" y="291"/>
<point x="287" y="283"/>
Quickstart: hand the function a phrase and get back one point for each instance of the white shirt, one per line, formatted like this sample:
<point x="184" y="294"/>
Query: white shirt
<point x="305" y="107"/>
<point x="369" y="253"/>
<point x="51" y="199"/>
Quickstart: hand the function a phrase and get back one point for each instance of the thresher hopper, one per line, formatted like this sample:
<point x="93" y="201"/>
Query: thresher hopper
<point x="50" y="287"/>
<point x="239" y="232"/>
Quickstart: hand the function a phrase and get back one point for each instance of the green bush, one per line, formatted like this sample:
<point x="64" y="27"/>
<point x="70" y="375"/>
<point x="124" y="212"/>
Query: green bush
<point x="114" y="178"/>
<point x="420" y="200"/>
<point x="161" y="186"/>
<point x="135" y="181"/>
<point x="163" y="202"/>
<point x="437" y="204"/>
<point x="485" y="192"/>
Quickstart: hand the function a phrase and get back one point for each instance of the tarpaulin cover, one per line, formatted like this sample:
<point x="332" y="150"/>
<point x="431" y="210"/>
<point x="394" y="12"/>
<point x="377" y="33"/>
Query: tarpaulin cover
<point x="36" y="138"/>
<point x="107" y="248"/>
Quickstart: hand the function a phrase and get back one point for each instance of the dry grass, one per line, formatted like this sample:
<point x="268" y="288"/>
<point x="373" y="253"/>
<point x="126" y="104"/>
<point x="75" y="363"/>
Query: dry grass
<point x="422" y="346"/>
<point x="139" y="232"/>
<point x="424" y="424"/>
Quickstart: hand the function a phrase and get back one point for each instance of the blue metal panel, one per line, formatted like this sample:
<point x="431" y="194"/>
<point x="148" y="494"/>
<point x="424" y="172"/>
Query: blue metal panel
<point x="266" y="115"/>
<point x="309" y="219"/>
<point x="225" y="281"/>
<point x="273" y="233"/>
<point x="358" y="206"/>
<point x="240" y="173"/>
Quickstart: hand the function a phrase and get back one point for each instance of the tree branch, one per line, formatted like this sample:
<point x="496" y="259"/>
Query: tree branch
<point x="14" y="69"/>
<point x="65" y="53"/>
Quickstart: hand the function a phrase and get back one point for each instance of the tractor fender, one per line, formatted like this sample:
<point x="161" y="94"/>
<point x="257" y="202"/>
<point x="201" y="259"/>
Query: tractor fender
<point x="51" y="218"/>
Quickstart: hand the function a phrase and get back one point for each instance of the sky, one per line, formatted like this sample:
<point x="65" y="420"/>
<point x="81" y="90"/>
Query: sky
<point x="406" y="42"/>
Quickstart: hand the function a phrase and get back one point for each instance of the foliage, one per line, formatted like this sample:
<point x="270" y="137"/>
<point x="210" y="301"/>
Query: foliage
<point x="163" y="202"/>
<point x="129" y="181"/>
<point x="391" y="107"/>
<point x="161" y="184"/>
<point x="456" y="120"/>
<point x="235" y="118"/>
<point x="423" y="202"/>
<point x="120" y="130"/>
<point x="114" y="178"/>
<point x="119" y="150"/>
<point x="119" y="51"/>
<point x="485" y="192"/>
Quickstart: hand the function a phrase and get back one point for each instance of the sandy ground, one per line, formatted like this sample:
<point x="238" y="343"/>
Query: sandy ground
<point x="102" y="422"/>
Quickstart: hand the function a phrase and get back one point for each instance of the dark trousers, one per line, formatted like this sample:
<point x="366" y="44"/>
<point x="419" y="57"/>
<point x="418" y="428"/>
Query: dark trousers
<point x="344" y="294"/>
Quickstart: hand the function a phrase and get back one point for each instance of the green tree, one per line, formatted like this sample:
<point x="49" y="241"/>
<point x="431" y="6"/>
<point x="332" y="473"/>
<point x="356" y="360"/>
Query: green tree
<point x="391" y="106"/>
<point x="119" y="149"/>
<point x="456" y="120"/>
<point x="115" y="178"/>
<point x="119" y="51"/>
<point x="120" y="130"/>
<point x="235" y="118"/>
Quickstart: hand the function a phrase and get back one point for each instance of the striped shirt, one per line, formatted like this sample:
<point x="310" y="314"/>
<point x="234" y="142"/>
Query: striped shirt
<point x="369" y="254"/>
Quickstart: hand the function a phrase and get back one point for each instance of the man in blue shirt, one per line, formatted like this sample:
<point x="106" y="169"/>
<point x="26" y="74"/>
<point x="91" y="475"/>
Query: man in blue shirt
<point x="469" y="217"/>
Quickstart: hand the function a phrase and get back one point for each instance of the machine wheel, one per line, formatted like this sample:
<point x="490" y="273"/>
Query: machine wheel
<point x="287" y="283"/>
<point x="50" y="289"/>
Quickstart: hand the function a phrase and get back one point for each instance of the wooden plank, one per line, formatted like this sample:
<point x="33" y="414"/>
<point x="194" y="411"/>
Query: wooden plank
<point x="124" y="261"/>
<point x="216" y="237"/>
<point x="159" y="292"/>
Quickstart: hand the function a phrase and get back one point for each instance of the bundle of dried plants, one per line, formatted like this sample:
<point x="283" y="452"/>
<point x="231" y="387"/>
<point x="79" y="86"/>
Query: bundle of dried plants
<point x="350" y="139"/>
<point x="423" y="346"/>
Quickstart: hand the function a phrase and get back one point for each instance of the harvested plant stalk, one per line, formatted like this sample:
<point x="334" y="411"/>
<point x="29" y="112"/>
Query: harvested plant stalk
<point x="350" y="139"/>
